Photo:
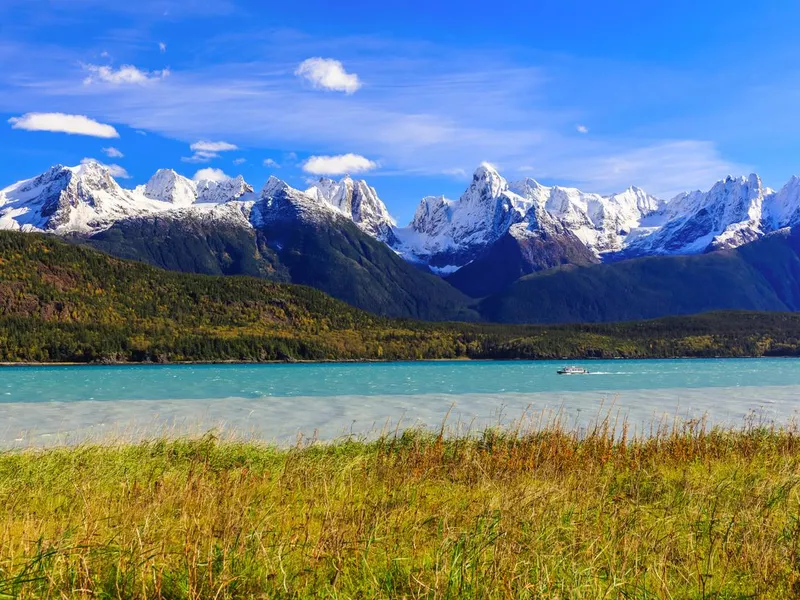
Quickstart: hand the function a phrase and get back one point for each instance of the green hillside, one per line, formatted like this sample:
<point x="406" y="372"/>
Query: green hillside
<point x="763" y="276"/>
<point x="335" y="257"/>
<point x="62" y="302"/>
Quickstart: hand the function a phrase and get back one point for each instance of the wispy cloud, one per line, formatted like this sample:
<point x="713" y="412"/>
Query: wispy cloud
<point x="125" y="75"/>
<point x="328" y="74"/>
<point x="338" y="165"/>
<point x="239" y="161"/>
<point x="427" y="110"/>
<point x="204" y="146"/>
<point x="162" y="47"/>
<point x="663" y="168"/>
<point x="116" y="171"/>
<point x="63" y="123"/>
<point x="112" y="152"/>
<point x="200" y="157"/>
<point x="268" y="162"/>
<point x="581" y="129"/>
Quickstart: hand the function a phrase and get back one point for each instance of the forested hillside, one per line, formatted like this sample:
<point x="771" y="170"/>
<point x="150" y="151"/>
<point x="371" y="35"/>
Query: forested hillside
<point x="333" y="256"/>
<point x="762" y="275"/>
<point x="61" y="302"/>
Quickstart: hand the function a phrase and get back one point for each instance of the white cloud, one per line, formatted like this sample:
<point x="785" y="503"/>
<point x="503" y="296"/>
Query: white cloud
<point x="112" y="152"/>
<point x="140" y="132"/>
<point x="426" y="112"/>
<point x="664" y="169"/>
<point x="125" y="75"/>
<point x="239" y="161"/>
<point x="63" y="123"/>
<point x="211" y="175"/>
<point x="328" y="74"/>
<point x="200" y="157"/>
<point x="203" y="146"/>
<point x="581" y="129"/>
<point x="105" y="54"/>
<point x="115" y="171"/>
<point x="162" y="47"/>
<point x="205" y="151"/>
<point x="268" y="162"/>
<point x="338" y="165"/>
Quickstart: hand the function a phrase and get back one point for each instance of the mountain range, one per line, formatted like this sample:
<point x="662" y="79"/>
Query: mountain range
<point x="504" y="251"/>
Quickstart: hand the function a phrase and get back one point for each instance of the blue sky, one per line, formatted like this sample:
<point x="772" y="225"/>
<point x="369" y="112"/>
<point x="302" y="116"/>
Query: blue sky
<point x="413" y="95"/>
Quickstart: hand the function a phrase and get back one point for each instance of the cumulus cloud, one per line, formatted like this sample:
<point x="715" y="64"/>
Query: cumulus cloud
<point x="204" y="146"/>
<point x="205" y="151"/>
<point x="125" y="75"/>
<point x="581" y="129"/>
<point x="63" y="123"/>
<point x="112" y="152"/>
<point x="210" y="174"/>
<point x="338" y="165"/>
<point x="162" y="47"/>
<point x="328" y="74"/>
<point x="115" y="171"/>
<point x="268" y="162"/>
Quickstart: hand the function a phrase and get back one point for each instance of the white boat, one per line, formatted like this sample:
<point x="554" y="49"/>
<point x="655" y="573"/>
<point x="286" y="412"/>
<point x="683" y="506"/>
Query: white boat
<point x="573" y="371"/>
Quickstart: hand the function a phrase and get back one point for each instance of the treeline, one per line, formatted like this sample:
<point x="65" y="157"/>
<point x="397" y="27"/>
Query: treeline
<point x="64" y="303"/>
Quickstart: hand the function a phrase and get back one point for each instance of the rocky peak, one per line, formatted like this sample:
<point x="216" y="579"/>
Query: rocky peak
<point x="356" y="200"/>
<point x="167" y="186"/>
<point x="223" y="190"/>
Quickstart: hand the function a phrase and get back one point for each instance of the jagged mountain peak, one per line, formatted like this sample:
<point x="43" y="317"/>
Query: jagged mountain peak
<point x="218" y="191"/>
<point x="358" y="201"/>
<point x="272" y="186"/>
<point x="486" y="183"/>
<point x="444" y="233"/>
<point x="168" y="186"/>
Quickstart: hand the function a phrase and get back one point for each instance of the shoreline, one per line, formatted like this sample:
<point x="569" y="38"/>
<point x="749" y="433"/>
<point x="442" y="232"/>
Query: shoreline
<point x="373" y="361"/>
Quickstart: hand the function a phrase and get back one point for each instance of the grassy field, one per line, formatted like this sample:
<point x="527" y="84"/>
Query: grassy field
<point x="686" y="513"/>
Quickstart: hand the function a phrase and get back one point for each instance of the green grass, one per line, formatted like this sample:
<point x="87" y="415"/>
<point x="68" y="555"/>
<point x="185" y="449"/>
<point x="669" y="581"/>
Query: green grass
<point x="685" y="513"/>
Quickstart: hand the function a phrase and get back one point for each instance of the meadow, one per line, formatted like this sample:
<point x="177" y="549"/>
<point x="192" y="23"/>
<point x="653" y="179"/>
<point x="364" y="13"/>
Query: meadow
<point x="685" y="511"/>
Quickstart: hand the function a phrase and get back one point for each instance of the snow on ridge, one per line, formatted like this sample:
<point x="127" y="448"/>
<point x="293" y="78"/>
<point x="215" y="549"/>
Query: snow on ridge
<point x="357" y="201"/>
<point x="444" y="234"/>
<point x="491" y="206"/>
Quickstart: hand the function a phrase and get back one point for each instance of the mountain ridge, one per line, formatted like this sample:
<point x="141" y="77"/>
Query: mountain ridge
<point x="444" y="235"/>
<point x="453" y="261"/>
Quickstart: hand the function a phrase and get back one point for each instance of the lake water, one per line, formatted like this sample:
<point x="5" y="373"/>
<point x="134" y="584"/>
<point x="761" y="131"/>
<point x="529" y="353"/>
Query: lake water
<point x="48" y="405"/>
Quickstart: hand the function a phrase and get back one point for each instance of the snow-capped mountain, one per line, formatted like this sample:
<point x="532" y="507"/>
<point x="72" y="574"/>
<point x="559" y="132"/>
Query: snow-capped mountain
<point x="735" y="211"/>
<point x="167" y="186"/>
<point x="278" y="201"/>
<point x="224" y="190"/>
<point x="449" y="234"/>
<point x="541" y="226"/>
<point x="70" y="199"/>
<point x="359" y="202"/>
<point x="87" y="199"/>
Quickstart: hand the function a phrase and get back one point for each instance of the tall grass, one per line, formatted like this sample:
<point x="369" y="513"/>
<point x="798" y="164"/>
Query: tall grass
<point x="684" y="512"/>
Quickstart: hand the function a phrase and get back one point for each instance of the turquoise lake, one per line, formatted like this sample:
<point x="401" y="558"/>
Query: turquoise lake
<point x="276" y="402"/>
